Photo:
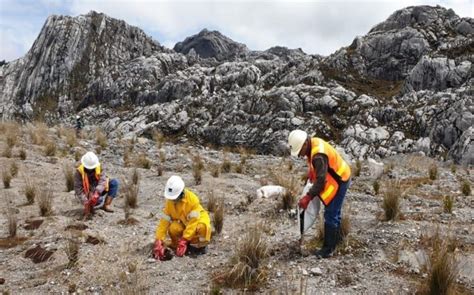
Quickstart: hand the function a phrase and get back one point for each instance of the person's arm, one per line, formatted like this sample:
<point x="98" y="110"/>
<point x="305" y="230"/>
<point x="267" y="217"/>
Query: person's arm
<point x="162" y="228"/>
<point x="320" y="164"/>
<point x="193" y="220"/>
<point x="78" y="189"/>
<point x="101" y="183"/>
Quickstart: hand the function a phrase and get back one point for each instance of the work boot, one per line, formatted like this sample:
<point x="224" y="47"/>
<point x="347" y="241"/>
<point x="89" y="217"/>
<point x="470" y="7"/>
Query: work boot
<point x="329" y="244"/>
<point x="107" y="203"/>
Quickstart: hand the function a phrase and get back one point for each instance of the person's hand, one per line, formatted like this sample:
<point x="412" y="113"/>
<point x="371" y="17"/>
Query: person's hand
<point x="94" y="198"/>
<point x="304" y="201"/>
<point x="181" y="249"/>
<point x="159" y="250"/>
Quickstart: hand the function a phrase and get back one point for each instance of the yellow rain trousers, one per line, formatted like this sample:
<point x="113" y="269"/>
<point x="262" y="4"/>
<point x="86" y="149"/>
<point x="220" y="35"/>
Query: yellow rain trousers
<point x="185" y="219"/>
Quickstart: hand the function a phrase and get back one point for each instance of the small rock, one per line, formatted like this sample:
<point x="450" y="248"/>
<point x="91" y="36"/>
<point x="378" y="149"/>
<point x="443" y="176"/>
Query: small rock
<point x="316" y="271"/>
<point x="2" y="281"/>
<point x="304" y="272"/>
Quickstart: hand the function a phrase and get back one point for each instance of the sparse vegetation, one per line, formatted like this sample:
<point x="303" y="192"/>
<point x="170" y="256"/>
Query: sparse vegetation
<point x="219" y="216"/>
<point x="50" y="148"/>
<point x="101" y="139"/>
<point x="13" y="169"/>
<point x="246" y="268"/>
<point x="441" y="266"/>
<point x="159" y="139"/>
<point x="6" y="178"/>
<point x="357" y="168"/>
<point x="135" y="176"/>
<point x="215" y="171"/>
<point x="391" y="200"/>
<point x="376" y="186"/>
<point x="12" y="222"/>
<point x="77" y="155"/>
<point x="68" y="172"/>
<point x="162" y="157"/>
<point x="71" y="139"/>
<point x="160" y="170"/>
<point x="466" y="188"/>
<point x="38" y="133"/>
<point x="22" y="154"/>
<point x="7" y="152"/>
<point x="226" y="166"/>
<point x="142" y="161"/>
<point x="198" y="167"/>
<point x="131" y="194"/>
<point x="30" y="190"/>
<point x="211" y="202"/>
<point x="433" y="172"/>
<point x="290" y="183"/>
<point x="448" y="202"/>
<point x="12" y="138"/>
<point x="45" y="202"/>
<point x="72" y="251"/>
<point x="453" y="168"/>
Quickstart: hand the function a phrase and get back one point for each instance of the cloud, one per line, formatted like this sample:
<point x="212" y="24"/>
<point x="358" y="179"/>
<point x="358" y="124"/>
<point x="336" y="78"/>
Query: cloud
<point x="315" y="26"/>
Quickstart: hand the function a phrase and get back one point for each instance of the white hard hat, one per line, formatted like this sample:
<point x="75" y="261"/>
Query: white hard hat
<point x="296" y="139"/>
<point x="174" y="187"/>
<point x="90" y="160"/>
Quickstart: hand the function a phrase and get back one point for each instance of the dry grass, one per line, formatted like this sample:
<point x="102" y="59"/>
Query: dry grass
<point x="38" y="133"/>
<point x="198" y="167"/>
<point x="12" y="138"/>
<point x="357" y="168"/>
<point x="50" y="148"/>
<point x="68" y="172"/>
<point x="441" y="266"/>
<point x="131" y="194"/>
<point x="226" y="165"/>
<point x="211" y="202"/>
<point x="246" y="266"/>
<point x="72" y="251"/>
<point x="30" y="190"/>
<point x="45" y="202"/>
<point x="291" y="184"/>
<point x="219" y="216"/>
<point x="6" y="178"/>
<point x="215" y="171"/>
<point x="376" y="186"/>
<point x="391" y="200"/>
<point x="135" y="176"/>
<point x="466" y="188"/>
<point x="448" y="203"/>
<point x="160" y="170"/>
<point x="101" y="138"/>
<point x="433" y="172"/>
<point x="453" y="168"/>
<point x="7" y="152"/>
<point x="142" y="161"/>
<point x="12" y="222"/>
<point x="71" y="138"/>
<point x="13" y="169"/>
<point x="162" y="157"/>
<point x="22" y="154"/>
<point x="78" y="154"/>
<point x="159" y="139"/>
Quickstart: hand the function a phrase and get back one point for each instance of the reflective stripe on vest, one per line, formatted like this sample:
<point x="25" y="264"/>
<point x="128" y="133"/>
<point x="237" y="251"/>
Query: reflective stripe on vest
<point x="336" y="165"/>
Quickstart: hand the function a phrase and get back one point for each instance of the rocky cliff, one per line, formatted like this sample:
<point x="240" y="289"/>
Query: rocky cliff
<point x="406" y="86"/>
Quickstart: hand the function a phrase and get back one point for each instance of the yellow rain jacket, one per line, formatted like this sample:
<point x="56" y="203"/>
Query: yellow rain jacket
<point x="189" y="212"/>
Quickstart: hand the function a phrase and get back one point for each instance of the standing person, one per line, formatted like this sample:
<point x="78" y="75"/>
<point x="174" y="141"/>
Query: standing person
<point x="79" y="125"/>
<point x="185" y="221"/>
<point x="92" y="187"/>
<point x="330" y="177"/>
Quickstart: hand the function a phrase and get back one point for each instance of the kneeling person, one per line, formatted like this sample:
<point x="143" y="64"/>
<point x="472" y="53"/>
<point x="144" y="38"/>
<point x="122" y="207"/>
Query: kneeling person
<point x="92" y="187"/>
<point x="184" y="221"/>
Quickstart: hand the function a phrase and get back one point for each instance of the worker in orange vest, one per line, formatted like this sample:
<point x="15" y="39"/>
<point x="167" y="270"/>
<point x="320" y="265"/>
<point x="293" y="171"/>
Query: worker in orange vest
<point x="92" y="187"/>
<point x="330" y="177"/>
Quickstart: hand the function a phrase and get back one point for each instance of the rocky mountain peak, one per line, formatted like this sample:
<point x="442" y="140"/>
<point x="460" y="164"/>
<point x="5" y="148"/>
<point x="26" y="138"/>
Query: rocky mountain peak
<point x="208" y="44"/>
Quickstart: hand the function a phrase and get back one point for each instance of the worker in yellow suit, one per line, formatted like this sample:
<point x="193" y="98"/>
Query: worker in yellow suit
<point x="185" y="221"/>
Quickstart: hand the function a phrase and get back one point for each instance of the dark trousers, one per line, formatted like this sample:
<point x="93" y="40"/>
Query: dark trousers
<point x="333" y="212"/>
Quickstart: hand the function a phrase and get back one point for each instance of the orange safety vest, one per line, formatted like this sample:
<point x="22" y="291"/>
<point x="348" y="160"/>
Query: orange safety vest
<point x="338" y="169"/>
<point x="85" y="179"/>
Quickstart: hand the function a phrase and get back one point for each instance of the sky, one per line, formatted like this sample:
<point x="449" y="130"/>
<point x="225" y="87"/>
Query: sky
<point x="317" y="27"/>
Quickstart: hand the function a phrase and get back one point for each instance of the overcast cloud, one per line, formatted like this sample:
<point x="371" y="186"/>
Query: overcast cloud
<point x="319" y="27"/>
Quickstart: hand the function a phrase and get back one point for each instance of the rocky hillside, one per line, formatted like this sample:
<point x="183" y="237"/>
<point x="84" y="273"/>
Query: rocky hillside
<point x="406" y="86"/>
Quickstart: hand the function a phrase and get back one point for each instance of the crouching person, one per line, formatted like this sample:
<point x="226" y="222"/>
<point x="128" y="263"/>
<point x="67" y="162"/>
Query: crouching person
<point x="92" y="187"/>
<point x="185" y="222"/>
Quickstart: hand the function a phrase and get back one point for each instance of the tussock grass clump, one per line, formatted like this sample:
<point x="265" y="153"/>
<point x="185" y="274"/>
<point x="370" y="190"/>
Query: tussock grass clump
<point x="22" y="154"/>
<point x="50" y="148"/>
<point x="71" y="138"/>
<point x="357" y="168"/>
<point x="290" y="183"/>
<point x="466" y="188"/>
<point x="441" y="266"/>
<point x="226" y="166"/>
<point x="12" y="222"/>
<point x="215" y="171"/>
<point x="6" y="178"/>
<point x="101" y="139"/>
<point x="219" y="213"/>
<point x="448" y="203"/>
<point x="433" y="171"/>
<point x="391" y="200"/>
<point x="131" y="194"/>
<point x="45" y="202"/>
<point x="13" y="169"/>
<point x="376" y="186"/>
<point x="198" y="167"/>
<point x="159" y="139"/>
<point x="160" y="170"/>
<point x="12" y="139"/>
<point x="30" y="190"/>
<point x="72" y="251"/>
<point x="38" y="133"/>
<point x="135" y="176"/>
<point x="7" y="152"/>
<point x="245" y="268"/>
<point x="68" y="172"/>
<point x="142" y="161"/>
<point x="453" y="168"/>
<point x="162" y="157"/>
<point x="211" y="202"/>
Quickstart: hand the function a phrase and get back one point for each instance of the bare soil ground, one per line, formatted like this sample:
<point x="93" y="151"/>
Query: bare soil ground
<point x="378" y="257"/>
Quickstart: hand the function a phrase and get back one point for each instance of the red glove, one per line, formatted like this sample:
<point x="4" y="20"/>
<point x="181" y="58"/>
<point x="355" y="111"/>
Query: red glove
<point x="159" y="250"/>
<point x="304" y="201"/>
<point x="181" y="249"/>
<point x="94" y="199"/>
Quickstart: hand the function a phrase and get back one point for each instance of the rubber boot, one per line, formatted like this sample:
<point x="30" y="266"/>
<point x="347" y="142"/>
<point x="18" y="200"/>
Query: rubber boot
<point x="329" y="245"/>
<point x="106" y="207"/>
